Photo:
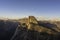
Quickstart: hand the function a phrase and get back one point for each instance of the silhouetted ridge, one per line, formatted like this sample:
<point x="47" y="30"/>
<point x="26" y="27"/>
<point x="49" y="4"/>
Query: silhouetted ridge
<point x="24" y="34"/>
<point x="7" y="29"/>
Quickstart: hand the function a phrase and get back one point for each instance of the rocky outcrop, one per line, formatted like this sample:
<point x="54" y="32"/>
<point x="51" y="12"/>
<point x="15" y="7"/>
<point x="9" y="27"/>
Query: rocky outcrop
<point x="33" y="24"/>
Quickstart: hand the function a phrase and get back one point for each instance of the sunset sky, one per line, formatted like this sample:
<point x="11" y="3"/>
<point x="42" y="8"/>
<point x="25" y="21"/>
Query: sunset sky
<point x="21" y="8"/>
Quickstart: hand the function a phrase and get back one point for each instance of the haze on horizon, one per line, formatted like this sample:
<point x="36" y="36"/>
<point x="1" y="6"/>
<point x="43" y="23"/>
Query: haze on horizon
<point x="22" y="8"/>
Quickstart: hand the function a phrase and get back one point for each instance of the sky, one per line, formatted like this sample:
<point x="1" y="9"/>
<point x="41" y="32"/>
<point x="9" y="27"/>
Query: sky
<point x="22" y="8"/>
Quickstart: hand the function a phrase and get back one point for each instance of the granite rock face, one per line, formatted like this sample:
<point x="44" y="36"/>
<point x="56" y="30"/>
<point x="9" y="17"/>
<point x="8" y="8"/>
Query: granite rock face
<point x="28" y="29"/>
<point x="33" y="24"/>
<point x="24" y="34"/>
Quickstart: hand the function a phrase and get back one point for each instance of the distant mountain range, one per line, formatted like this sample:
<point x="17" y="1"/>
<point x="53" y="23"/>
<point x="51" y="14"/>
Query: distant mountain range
<point x="38" y="18"/>
<point x="48" y="19"/>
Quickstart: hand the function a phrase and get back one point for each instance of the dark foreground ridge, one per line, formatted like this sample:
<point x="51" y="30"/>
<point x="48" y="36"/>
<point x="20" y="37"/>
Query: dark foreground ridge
<point x="24" y="34"/>
<point x="11" y="31"/>
<point x="28" y="29"/>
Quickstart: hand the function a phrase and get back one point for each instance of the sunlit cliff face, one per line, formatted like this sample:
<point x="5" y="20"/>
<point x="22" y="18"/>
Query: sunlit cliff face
<point x="32" y="24"/>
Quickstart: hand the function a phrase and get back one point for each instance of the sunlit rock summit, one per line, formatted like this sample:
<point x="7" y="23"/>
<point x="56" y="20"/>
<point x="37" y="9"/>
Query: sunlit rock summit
<point x="33" y="24"/>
